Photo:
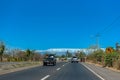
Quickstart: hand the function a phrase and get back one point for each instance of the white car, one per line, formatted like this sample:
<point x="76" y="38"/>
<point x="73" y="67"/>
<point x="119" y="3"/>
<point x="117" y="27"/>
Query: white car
<point x="74" y="60"/>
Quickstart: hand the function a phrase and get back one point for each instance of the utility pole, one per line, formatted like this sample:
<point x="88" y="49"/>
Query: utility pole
<point x="97" y="40"/>
<point x="117" y="46"/>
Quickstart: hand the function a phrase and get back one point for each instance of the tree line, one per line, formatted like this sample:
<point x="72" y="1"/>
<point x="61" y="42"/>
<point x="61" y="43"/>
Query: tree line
<point x="18" y="55"/>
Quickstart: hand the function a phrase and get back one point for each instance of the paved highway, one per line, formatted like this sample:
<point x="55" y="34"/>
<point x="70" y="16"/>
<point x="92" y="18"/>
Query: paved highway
<point x="62" y="71"/>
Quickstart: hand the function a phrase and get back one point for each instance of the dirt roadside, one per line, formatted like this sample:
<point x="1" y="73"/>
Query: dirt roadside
<point x="9" y="68"/>
<point x="110" y="68"/>
<point x="105" y="73"/>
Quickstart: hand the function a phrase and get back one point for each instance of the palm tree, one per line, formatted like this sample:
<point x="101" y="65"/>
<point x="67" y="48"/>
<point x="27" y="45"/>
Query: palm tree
<point x="2" y="48"/>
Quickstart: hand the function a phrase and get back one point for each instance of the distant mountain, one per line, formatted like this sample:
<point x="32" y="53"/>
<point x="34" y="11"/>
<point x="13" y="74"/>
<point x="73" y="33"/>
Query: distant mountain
<point x="64" y="50"/>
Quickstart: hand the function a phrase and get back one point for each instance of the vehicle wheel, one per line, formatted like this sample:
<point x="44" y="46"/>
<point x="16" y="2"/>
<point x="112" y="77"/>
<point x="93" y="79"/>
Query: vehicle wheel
<point x="44" y="64"/>
<point x="53" y="64"/>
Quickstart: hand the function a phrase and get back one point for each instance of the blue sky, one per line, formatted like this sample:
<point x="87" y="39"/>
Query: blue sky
<point x="43" y="24"/>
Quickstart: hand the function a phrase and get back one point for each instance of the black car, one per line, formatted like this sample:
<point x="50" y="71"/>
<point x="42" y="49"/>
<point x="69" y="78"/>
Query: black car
<point x="49" y="61"/>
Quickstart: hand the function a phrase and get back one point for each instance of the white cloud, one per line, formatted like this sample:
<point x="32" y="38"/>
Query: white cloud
<point x="73" y="50"/>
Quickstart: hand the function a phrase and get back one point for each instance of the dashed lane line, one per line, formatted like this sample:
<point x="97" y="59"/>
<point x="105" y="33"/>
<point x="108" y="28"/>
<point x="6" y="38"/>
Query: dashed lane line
<point x="44" y="78"/>
<point x="58" y="69"/>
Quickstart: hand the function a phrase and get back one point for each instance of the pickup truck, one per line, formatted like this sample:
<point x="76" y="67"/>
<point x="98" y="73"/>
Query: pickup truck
<point x="74" y="60"/>
<point x="51" y="60"/>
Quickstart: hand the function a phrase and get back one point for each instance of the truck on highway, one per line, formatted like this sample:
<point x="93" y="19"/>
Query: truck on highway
<point x="74" y="59"/>
<point x="50" y="59"/>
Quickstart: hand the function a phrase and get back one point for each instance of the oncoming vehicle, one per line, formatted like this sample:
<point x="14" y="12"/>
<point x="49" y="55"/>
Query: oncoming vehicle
<point x="74" y="60"/>
<point x="50" y="60"/>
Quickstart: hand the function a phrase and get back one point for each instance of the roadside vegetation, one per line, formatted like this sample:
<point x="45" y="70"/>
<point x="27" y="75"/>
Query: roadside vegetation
<point x="17" y="55"/>
<point x="108" y="58"/>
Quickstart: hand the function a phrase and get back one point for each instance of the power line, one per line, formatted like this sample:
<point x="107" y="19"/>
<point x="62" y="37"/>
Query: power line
<point x="110" y="25"/>
<point x="105" y="30"/>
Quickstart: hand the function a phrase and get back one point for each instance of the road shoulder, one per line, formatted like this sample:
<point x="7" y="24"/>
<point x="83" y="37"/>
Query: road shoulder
<point x="105" y="73"/>
<point x="12" y="67"/>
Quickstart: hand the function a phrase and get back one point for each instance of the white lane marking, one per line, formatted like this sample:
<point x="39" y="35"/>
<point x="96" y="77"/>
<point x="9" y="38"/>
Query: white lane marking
<point x="45" y="77"/>
<point x="94" y="72"/>
<point x="65" y="64"/>
<point x="58" y="69"/>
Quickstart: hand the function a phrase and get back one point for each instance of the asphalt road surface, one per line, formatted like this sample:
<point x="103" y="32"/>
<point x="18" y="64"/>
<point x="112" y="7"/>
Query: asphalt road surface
<point x="62" y="71"/>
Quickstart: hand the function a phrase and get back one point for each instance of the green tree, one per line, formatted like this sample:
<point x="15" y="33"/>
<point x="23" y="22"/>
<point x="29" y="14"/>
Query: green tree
<point x="68" y="54"/>
<point x="99" y="54"/>
<point x="82" y="55"/>
<point x="28" y="54"/>
<point x="110" y="58"/>
<point x="2" y="48"/>
<point x="96" y="56"/>
<point x="62" y="56"/>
